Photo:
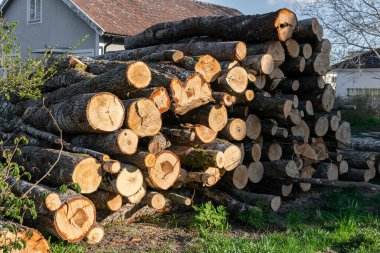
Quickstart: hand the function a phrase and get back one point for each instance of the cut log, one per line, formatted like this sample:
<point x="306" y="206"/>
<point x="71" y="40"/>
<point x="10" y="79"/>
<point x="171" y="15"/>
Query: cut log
<point x="158" y="95"/>
<point x="141" y="159"/>
<point x="319" y="64"/>
<point x="232" y="153"/>
<point x="126" y="183"/>
<point x="275" y="107"/>
<point x="206" y="65"/>
<point x="178" y="199"/>
<point x="308" y="30"/>
<point x="260" y="81"/>
<point x="138" y="196"/>
<point x="271" y="26"/>
<point x="274" y="79"/>
<point x="207" y="179"/>
<point x="123" y="141"/>
<point x="190" y="134"/>
<point x="199" y="158"/>
<point x="356" y="175"/>
<point x="366" y="144"/>
<point x="343" y="167"/>
<point x="127" y="77"/>
<point x="165" y="171"/>
<point x="71" y="221"/>
<point x="65" y="79"/>
<point x="95" y="235"/>
<point x="142" y="117"/>
<point x="293" y="66"/>
<point x="307" y="107"/>
<point x="111" y="166"/>
<point x="272" y="186"/>
<point x="255" y="172"/>
<point x="107" y="201"/>
<point x="238" y="111"/>
<point x="343" y="133"/>
<point x="167" y="55"/>
<point x="212" y="116"/>
<point x="223" y="98"/>
<point x="269" y="126"/>
<point x="155" y="200"/>
<point x="234" y="80"/>
<point x="292" y="48"/>
<point x="96" y="113"/>
<point x="245" y="97"/>
<point x="319" y="125"/>
<point x="310" y="84"/>
<point x="238" y="178"/>
<point x="302" y="130"/>
<point x="359" y="159"/>
<point x="252" y="152"/>
<point x="253" y="126"/>
<point x="306" y="50"/>
<point x="288" y="86"/>
<point x="274" y="48"/>
<point x="250" y="198"/>
<point x="262" y="64"/>
<point x="30" y="239"/>
<point x="323" y="46"/>
<point x="306" y="172"/>
<point x="59" y="168"/>
<point x="326" y="171"/>
<point x="235" y="130"/>
<point x="155" y="144"/>
<point x="271" y="151"/>
<point x="281" y="168"/>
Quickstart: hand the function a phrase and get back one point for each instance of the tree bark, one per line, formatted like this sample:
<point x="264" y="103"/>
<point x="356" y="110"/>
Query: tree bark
<point x="104" y="200"/>
<point x="167" y="55"/>
<point x="206" y="65"/>
<point x="238" y="178"/>
<point x="274" y="48"/>
<point x="326" y="171"/>
<point x="308" y="30"/>
<point x="281" y="168"/>
<point x="250" y="198"/>
<point x="155" y="144"/>
<point x="235" y="130"/>
<point x="262" y="64"/>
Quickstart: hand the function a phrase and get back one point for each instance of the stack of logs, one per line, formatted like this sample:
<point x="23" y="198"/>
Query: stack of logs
<point x="233" y="108"/>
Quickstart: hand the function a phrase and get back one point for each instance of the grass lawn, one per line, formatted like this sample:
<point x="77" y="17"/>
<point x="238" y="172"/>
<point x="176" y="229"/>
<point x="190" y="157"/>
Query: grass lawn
<point x="343" y="221"/>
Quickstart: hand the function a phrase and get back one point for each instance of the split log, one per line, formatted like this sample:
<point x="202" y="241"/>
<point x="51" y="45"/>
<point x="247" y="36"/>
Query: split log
<point x="58" y="168"/>
<point x="142" y="117"/>
<point x="212" y="116"/>
<point x="96" y="113"/>
<point x="123" y="141"/>
<point x="106" y="200"/>
<point x="292" y="48"/>
<point x="95" y="235"/>
<point x="235" y="130"/>
<point x="271" y="151"/>
<point x="158" y="95"/>
<point x="155" y="144"/>
<point x="255" y="172"/>
<point x="262" y="64"/>
<point x="273" y="48"/>
<point x="232" y="153"/>
<point x="199" y="158"/>
<point x="326" y="171"/>
<point x="206" y="65"/>
<point x="238" y="178"/>
<point x="275" y="107"/>
<point x="72" y="219"/>
<point x="29" y="239"/>
<point x="127" y="77"/>
<point x="271" y="26"/>
<point x="306" y="50"/>
<point x="250" y="198"/>
<point x="308" y="30"/>
<point x="192" y="135"/>
<point x="223" y="98"/>
<point x="253" y="126"/>
<point x="281" y="168"/>
<point x="126" y="183"/>
<point x="167" y="55"/>
<point x="234" y="80"/>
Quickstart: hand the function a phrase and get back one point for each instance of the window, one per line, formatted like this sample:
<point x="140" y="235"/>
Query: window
<point x="363" y="92"/>
<point x="34" y="11"/>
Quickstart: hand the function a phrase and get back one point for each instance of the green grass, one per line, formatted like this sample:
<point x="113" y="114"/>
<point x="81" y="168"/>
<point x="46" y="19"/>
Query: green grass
<point x="342" y="223"/>
<point x="64" y="247"/>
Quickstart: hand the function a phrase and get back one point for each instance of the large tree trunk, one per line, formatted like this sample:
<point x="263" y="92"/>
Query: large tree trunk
<point x="59" y="168"/>
<point x="123" y="141"/>
<point x="94" y="113"/>
<point x="254" y="28"/>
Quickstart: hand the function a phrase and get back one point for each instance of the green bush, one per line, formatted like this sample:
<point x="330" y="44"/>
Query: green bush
<point x="210" y="217"/>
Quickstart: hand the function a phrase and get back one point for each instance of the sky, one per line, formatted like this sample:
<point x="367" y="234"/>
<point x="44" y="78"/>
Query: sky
<point x="255" y="6"/>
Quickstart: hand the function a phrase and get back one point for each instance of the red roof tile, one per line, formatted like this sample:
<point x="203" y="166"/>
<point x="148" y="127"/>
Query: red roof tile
<point x="129" y="17"/>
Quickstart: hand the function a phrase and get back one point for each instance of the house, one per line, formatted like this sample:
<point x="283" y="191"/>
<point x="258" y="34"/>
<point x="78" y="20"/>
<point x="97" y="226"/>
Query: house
<point x="358" y="75"/>
<point x="59" y="24"/>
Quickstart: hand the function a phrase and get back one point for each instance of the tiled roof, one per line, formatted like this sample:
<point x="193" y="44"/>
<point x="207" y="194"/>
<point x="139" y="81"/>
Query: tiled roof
<point x="364" y="60"/>
<point x="129" y="17"/>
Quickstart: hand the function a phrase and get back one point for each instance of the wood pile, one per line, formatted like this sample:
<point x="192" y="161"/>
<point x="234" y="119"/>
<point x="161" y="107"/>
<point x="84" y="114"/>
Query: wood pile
<point x="233" y="108"/>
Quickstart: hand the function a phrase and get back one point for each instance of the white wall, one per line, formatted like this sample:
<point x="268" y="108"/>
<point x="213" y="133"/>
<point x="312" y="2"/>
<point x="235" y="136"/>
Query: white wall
<point x="355" y="78"/>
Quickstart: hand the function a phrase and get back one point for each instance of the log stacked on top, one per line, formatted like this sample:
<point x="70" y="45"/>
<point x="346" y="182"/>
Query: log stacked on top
<point x="233" y="107"/>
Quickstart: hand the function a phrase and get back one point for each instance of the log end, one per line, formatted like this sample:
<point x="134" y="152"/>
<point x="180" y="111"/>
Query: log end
<point x="321" y="126"/>
<point x="267" y="64"/>
<point x="95" y="235"/>
<point x="275" y="152"/>
<point x="165" y="171"/>
<point x="255" y="172"/>
<point x="127" y="141"/>
<point x="129" y="181"/>
<point x="74" y="219"/>
<point x="343" y="167"/>
<point x="161" y="99"/>
<point x="291" y="169"/>
<point x="53" y="201"/>
<point x="157" y="201"/>
<point x="111" y="166"/>
<point x="275" y="203"/>
<point x="256" y="152"/>
<point x="285" y="23"/>
<point x="286" y="190"/>
<point x="138" y="75"/>
<point x="253" y="126"/>
<point x="105" y="112"/>
<point x="240" y="177"/>
<point x="208" y="67"/>
<point x="138" y="196"/>
<point x="217" y="118"/>
<point x="87" y="174"/>
<point x="241" y="51"/>
<point x="205" y="134"/>
<point x="237" y="79"/>
<point x="292" y="48"/>
<point x="233" y="157"/>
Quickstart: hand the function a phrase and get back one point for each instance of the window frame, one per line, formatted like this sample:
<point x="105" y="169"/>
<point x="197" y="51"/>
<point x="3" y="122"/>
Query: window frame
<point x="28" y="18"/>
